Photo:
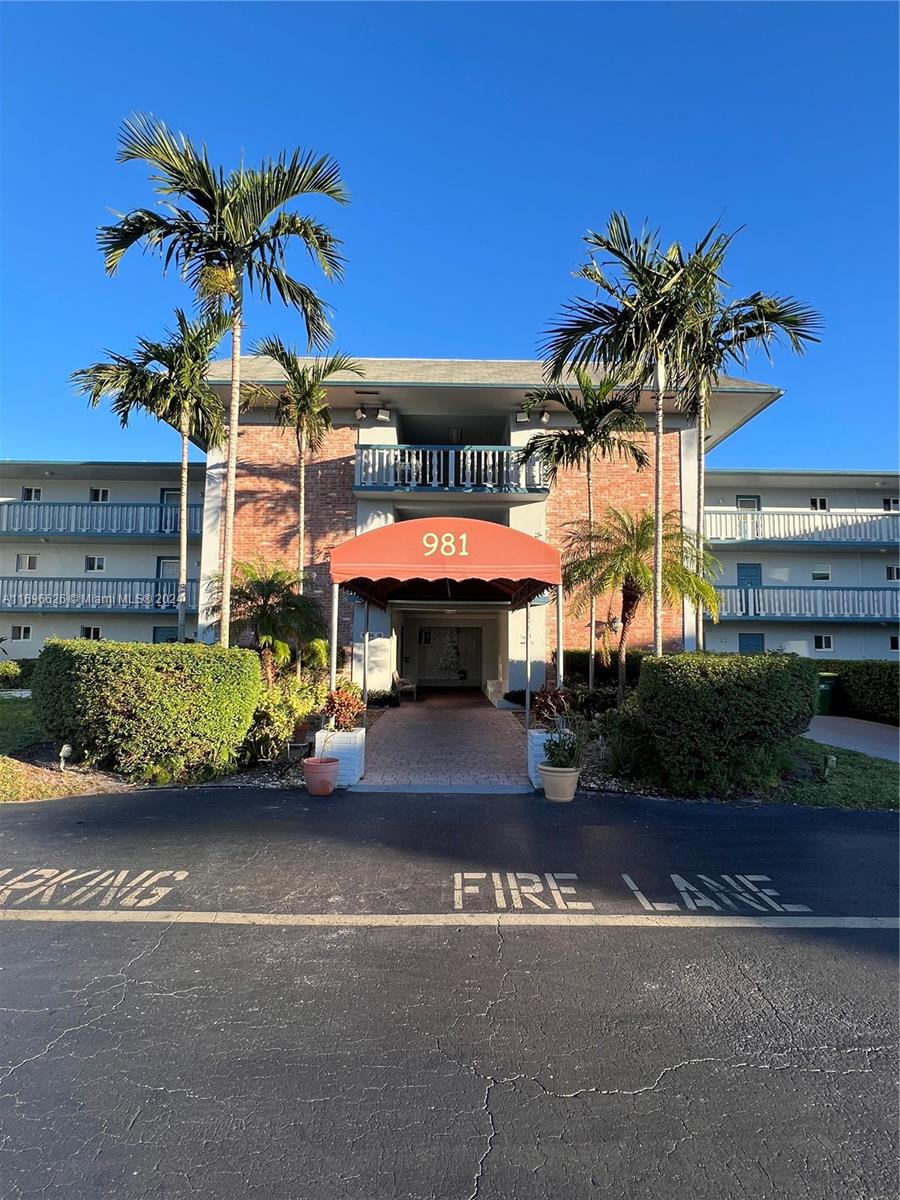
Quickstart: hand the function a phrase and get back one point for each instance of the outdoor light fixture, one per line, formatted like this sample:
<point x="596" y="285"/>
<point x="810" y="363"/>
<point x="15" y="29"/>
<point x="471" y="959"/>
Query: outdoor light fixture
<point x="64" y="753"/>
<point x="615" y="624"/>
<point x="383" y="414"/>
<point x="522" y="417"/>
<point x="361" y="413"/>
<point x="544" y="417"/>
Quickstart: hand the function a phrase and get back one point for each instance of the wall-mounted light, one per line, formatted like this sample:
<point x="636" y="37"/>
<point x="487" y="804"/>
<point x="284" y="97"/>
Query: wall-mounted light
<point x="522" y="417"/>
<point x="361" y="413"/>
<point x="544" y="417"/>
<point x="383" y="414"/>
<point x="615" y="624"/>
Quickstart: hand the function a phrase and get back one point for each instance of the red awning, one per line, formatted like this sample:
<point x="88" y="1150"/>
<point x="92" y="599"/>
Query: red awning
<point x="381" y="565"/>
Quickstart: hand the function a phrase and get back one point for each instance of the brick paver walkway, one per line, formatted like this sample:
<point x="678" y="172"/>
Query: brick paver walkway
<point x="447" y="741"/>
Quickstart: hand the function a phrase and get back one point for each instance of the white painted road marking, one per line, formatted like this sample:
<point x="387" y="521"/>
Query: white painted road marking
<point x="728" y="891"/>
<point x="525" y="888"/>
<point x="112" y="886"/>
<point x="503" y="920"/>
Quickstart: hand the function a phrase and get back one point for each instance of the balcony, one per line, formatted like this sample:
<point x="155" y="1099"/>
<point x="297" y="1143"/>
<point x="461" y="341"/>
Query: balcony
<point x="780" y="526"/>
<point x="53" y="519"/>
<point x="38" y="594"/>
<point x="448" y="470"/>
<point x="781" y="602"/>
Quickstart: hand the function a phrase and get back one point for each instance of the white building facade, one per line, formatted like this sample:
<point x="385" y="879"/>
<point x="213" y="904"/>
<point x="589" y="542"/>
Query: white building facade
<point x="809" y="562"/>
<point x="91" y="550"/>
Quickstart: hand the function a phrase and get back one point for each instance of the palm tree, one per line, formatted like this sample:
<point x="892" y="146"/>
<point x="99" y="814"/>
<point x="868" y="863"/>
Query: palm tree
<point x="640" y="327"/>
<point x="168" y="380"/>
<point x="222" y="232"/>
<point x="721" y="334"/>
<point x="267" y="605"/>
<point x="303" y="408"/>
<point x="618" y="555"/>
<point x="606" y="422"/>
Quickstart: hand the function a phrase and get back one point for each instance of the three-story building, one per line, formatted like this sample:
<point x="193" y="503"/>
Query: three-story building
<point x="809" y="562"/>
<point x="91" y="550"/>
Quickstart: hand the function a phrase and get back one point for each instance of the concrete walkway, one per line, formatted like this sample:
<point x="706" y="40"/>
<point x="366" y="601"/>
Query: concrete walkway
<point x="868" y="737"/>
<point x="453" y="741"/>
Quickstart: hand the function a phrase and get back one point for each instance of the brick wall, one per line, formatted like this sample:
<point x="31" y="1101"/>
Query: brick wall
<point x="266" y="505"/>
<point x="618" y="484"/>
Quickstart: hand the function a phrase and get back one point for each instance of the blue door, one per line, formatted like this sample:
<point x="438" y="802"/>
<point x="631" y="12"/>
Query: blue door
<point x="751" y="643"/>
<point x="749" y="575"/>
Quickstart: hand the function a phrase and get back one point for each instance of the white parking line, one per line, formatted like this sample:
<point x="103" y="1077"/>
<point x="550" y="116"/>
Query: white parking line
<point x="505" y="920"/>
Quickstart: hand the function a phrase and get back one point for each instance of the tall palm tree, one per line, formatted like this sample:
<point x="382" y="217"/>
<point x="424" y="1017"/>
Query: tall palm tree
<point x="606" y="423"/>
<point x="618" y="554"/>
<point x="222" y="232"/>
<point x="721" y="334"/>
<point x="639" y="327"/>
<point x="303" y="408"/>
<point x="168" y="380"/>
<point x="267" y="605"/>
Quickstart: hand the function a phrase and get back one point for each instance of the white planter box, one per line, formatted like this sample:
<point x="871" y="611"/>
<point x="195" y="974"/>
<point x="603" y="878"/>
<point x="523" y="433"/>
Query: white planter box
<point x="350" y="751"/>
<point x="536" y="739"/>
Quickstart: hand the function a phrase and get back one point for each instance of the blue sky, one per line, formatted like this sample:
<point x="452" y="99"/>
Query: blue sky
<point x="480" y="141"/>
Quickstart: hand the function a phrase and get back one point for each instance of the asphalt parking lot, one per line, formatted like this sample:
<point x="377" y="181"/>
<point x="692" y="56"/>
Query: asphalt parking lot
<point x="229" y="993"/>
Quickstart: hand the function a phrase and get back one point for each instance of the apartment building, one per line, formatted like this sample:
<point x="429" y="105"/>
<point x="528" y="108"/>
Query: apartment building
<point x="91" y="550"/>
<point x="810" y="562"/>
<point x="437" y="442"/>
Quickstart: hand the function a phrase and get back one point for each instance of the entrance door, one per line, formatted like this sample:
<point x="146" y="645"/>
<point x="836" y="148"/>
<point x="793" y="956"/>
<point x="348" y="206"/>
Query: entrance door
<point x="167" y="596"/>
<point x="749" y="577"/>
<point x="449" y="656"/>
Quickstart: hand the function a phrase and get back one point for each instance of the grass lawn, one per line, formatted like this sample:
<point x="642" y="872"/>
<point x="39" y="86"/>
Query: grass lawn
<point x="18" y="728"/>
<point x="857" y="781"/>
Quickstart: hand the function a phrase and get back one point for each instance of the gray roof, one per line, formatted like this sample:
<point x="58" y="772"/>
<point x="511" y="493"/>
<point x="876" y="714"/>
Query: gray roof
<point x="12" y="468"/>
<point x="432" y="372"/>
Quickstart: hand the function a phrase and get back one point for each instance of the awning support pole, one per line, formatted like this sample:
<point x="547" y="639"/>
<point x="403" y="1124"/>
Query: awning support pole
<point x="332" y="674"/>
<point x="365" y="689"/>
<point x="527" y="667"/>
<point x="560" y="673"/>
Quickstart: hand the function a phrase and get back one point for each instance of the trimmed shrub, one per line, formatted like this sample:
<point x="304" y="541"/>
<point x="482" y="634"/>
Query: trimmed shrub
<point x="343" y="706"/>
<point x="161" y="713"/>
<point x="278" y="710"/>
<point x="10" y="673"/>
<point x="575" y="665"/>
<point x="26" y="671"/>
<point x="714" y="721"/>
<point x="868" y="689"/>
<point x="384" y="699"/>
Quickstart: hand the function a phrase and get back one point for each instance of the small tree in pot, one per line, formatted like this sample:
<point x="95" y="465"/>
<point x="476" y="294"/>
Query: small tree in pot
<point x="563" y="755"/>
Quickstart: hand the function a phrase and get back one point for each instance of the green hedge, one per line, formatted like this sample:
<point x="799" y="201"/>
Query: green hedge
<point x="16" y="672"/>
<point x="160" y="713"/>
<point x="575" y="665"/>
<point x="868" y="689"/>
<point x="713" y="721"/>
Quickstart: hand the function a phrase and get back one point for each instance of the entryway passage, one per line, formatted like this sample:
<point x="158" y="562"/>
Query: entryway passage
<point x="447" y="741"/>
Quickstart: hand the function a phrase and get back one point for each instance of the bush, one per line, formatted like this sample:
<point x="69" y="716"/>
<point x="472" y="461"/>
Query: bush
<point x="590" y="703"/>
<point x="715" y="721"/>
<point x="548" y="703"/>
<point x="278" y="710"/>
<point x="343" y="706"/>
<point x="515" y="696"/>
<point x="575" y="666"/>
<point x="10" y="673"/>
<point x="160" y="713"/>
<point x="384" y="699"/>
<point x="867" y="689"/>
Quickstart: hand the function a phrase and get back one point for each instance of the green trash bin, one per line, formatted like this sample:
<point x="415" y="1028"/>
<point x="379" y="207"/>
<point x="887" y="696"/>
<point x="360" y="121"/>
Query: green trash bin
<point x="826" y="689"/>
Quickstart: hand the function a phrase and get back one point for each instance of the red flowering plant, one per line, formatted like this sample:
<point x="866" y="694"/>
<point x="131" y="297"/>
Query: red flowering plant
<point x="549" y="704"/>
<point x="342" y="707"/>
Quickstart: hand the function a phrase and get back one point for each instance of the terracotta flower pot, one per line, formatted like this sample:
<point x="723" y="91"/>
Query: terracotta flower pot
<point x="301" y="729"/>
<point x="320" y="775"/>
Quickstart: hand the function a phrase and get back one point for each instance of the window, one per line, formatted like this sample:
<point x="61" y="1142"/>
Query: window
<point x="99" y="495"/>
<point x="91" y="632"/>
<point x="31" y="495"/>
<point x="751" y="643"/>
<point x="823" y="641"/>
<point x="95" y="562"/>
<point x="169" y="496"/>
<point x="818" y="503"/>
<point x="26" y="562"/>
<point x="21" y="633"/>
<point x="891" y="503"/>
<point x="748" y="503"/>
<point x="821" y="572"/>
<point x="893" y="571"/>
<point x="895" y="642"/>
<point x="165" y="633"/>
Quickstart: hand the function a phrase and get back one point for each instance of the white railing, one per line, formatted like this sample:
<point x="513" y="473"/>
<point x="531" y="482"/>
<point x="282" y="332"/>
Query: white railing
<point x="120" y="520"/>
<point x="38" y="594"/>
<point x="777" y="524"/>
<point x="781" y="600"/>
<point x="447" y="468"/>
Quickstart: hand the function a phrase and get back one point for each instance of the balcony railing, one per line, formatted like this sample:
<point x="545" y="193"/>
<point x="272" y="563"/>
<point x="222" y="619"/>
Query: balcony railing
<point x="52" y="518"/>
<point x="40" y="594"/>
<point x="819" y="603"/>
<point x="774" y="524"/>
<point x="447" y="469"/>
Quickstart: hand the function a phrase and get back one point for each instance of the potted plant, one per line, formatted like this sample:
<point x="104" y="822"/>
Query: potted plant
<point x="320" y="771"/>
<point x="561" y="768"/>
<point x="340" y="745"/>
